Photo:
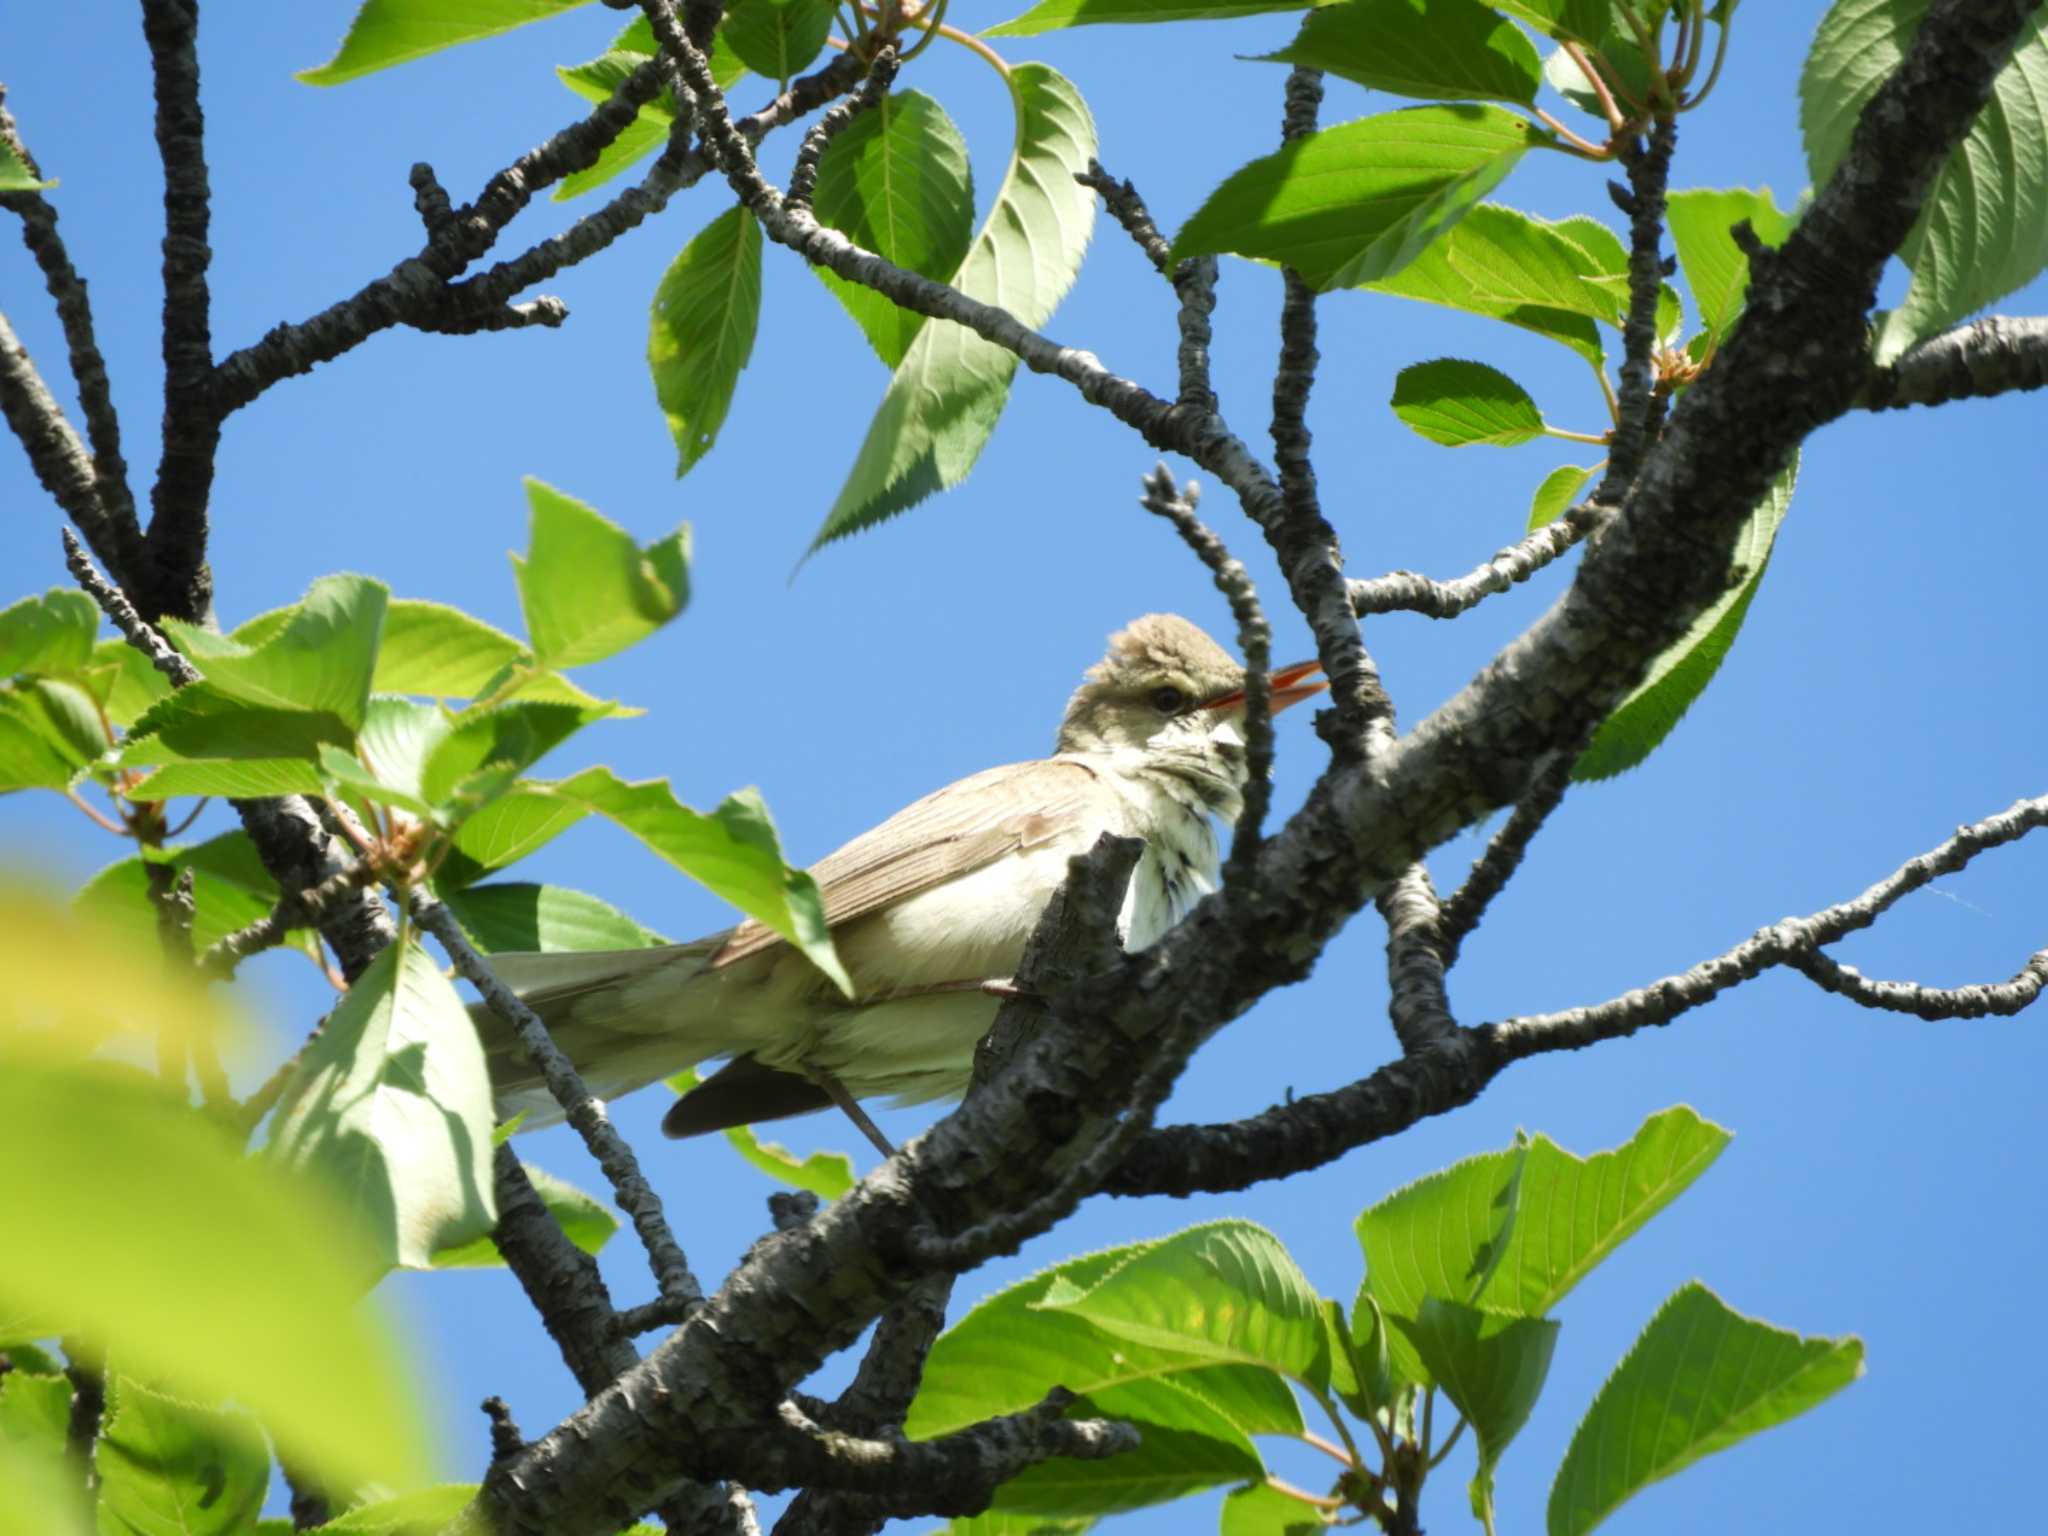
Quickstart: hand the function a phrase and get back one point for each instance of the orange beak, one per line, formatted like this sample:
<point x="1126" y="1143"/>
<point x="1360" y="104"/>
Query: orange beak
<point x="1287" y="687"/>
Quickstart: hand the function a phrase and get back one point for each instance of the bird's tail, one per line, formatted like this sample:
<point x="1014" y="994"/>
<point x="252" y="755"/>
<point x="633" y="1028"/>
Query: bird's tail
<point x="615" y="1013"/>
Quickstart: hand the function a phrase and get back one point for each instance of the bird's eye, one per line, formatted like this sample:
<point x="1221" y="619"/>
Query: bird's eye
<point x="1169" y="700"/>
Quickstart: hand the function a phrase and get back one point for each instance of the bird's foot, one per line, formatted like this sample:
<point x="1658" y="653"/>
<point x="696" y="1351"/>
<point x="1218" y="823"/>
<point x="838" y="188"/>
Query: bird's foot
<point x="850" y="1106"/>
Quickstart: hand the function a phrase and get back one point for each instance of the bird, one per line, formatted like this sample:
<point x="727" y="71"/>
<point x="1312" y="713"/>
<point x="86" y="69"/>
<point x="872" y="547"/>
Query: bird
<point x="929" y="912"/>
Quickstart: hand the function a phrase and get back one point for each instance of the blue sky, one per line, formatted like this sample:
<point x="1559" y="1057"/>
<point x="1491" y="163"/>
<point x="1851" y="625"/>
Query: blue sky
<point x="1881" y="1177"/>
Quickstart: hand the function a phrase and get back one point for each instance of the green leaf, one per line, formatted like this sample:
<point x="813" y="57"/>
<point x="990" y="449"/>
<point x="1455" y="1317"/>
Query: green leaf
<point x="553" y="918"/>
<point x="230" y="890"/>
<point x="231" y="778"/>
<point x="701" y="332"/>
<point x="1361" y="200"/>
<point x="169" y="1466"/>
<point x="51" y="633"/>
<point x="485" y="749"/>
<point x="777" y="39"/>
<point x="15" y="176"/>
<point x="1574" y="1211"/>
<point x="1226" y="1292"/>
<point x="588" y="591"/>
<point x="212" y="736"/>
<point x="433" y="649"/>
<point x="515" y="824"/>
<point x="388" y="32"/>
<point x="1492" y="1368"/>
<point x="422" y="1512"/>
<point x="943" y="401"/>
<point x="35" y="1404"/>
<point x="33" y="753"/>
<point x="1438" y="50"/>
<point x="1983" y="230"/>
<point x="1000" y="1523"/>
<point x="1459" y="403"/>
<point x="319" y="659"/>
<point x="1009" y="1350"/>
<point x="1716" y="269"/>
<point x="1263" y="1510"/>
<point x="1698" y="1380"/>
<point x="1680" y="675"/>
<point x="896" y="182"/>
<point x="1513" y="260"/>
<point x="1558" y="493"/>
<point x="586" y="1220"/>
<point x="1586" y="21"/>
<point x="126" y="682"/>
<point x="195" y="1265"/>
<point x="1441" y="1236"/>
<point x="1168" y="1463"/>
<point x="1053" y="15"/>
<point x="828" y="1175"/>
<point x="391" y="1104"/>
<point x="734" y="852"/>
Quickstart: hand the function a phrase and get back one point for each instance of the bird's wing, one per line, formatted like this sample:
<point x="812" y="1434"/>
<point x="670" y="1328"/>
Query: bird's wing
<point x="949" y="833"/>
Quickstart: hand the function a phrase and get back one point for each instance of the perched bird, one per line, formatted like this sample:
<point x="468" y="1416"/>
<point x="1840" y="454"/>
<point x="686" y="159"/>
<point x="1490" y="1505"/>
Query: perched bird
<point x="927" y="910"/>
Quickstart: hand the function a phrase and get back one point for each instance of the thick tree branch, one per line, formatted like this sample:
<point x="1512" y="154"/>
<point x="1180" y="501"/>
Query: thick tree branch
<point x="55" y="451"/>
<point x="1998" y="355"/>
<point x="178" y="582"/>
<point x="1418" y="1005"/>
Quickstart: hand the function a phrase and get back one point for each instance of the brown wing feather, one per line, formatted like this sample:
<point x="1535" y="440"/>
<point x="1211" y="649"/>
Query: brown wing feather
<point x="951" y="832"/>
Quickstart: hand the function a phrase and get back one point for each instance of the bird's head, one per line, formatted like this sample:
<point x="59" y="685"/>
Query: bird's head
<point x="1165" y="688"/>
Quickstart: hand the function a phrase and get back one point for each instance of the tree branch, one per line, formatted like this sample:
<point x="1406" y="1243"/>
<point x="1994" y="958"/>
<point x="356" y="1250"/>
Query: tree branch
<point x="1649" y="172"/>
<point x="1995" y="356"/>
<point x="55" y="452"/>
<point x="178" y="581"/>
<point x="1409" y="591"/>
<point x="1419" y="1007"/>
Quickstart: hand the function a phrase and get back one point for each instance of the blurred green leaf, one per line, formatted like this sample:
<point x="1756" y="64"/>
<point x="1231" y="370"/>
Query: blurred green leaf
<point x="169" y="1466"/>
<point x="587" y="589"/>
<point x="1458" y="403"/>
<point x="999" y="1523"/>
<point x="1572" y="1212"/>
<point x="230" y="890"/>
<point x="701" y="330"/>
<point x="1260" y="1509"/>
<point x="35" y="1404"/>
<point x="1639" y="724"/>
<point x="944" y="398"/>
<point x="1983" y="227"/>
<point x="126" y="681"/>
<point x="34" y="753"/>
<point x="733" y="851"/>
<point x="896" y="181"/>
<point x="319" y="660"/>
<point x="391" y="1106"/>
<point x="1700" y="1379"/>
<point x="549" y="918"/>
<point x="1437" y="50"/>
<point x="51" y="633"/>
<point x="1361" y="200"/>
<point x="585" y="1220"/>
<point x="1492" y="1368"/>
<point x="388" y="32"/>
<point x="158" y="1240"/>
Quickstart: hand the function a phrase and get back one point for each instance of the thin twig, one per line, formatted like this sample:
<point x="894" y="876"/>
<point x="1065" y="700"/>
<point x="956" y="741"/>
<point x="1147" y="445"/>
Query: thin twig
<point x="1463" y="908"/>
<point x="1411" y="592"/>
<point x="1128" y="209"/>
<point x="1649" y="172"/>
<point x="803" y="177"/>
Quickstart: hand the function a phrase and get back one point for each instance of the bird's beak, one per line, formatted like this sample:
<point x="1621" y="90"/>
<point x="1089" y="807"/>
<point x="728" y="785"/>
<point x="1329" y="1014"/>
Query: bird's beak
<point x="1287" y="685"/>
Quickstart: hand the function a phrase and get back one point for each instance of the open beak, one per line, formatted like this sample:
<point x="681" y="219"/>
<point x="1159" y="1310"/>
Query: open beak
<point x="1287" y="684"/>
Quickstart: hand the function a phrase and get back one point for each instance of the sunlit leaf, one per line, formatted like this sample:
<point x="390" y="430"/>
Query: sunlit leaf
<point x="701" y="331"/>
<point x="1983" y="229"/>
<point x="317" y="657"/>
<point x="943" y="401"/>
<point x="1716" y="269"/>
<point x="168" y="1466"/>
<point x="734" y="851"/>
<point x="1639" y="724"/>
<point x="548" y="918"/>
<point x="388" y="32"/>
<point x="51" y="634"/>
<point x="1460" y="403"/>
<point x="585" y="1220"/>
<point x="1438" y="50"/>
<point x="1361" y="200"/>
<point x="1052" y="15"/>
<point x="828" y="1175"/>
<point x="1492" y="1369"/>
<point x="1558" y="493"/>
<point x="896" y="182"/>
<point x="588" y="591"/>
<point x="777" y="39"/>
<point x="391" y="1106"/>
<point x="1700" y="1379"/>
